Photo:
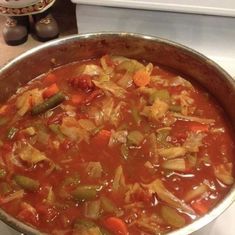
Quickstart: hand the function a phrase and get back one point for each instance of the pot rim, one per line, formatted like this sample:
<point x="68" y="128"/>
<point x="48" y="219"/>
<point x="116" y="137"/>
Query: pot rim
<point x="198" y="223"/>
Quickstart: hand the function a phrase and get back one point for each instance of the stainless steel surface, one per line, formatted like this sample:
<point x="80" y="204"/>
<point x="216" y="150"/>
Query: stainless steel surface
<point x="66" y="50"/>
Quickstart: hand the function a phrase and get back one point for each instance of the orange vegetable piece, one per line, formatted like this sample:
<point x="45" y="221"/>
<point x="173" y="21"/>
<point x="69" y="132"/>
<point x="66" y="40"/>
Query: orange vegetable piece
<point x="50" y="78"/>
<point x="200" y="207"/>
<point x="195" y="127"/>
<point x="77" y="99"/>
<point x="50" y="91"/>
<point x="141" y="78"/>
<point x="116" y="225"/>
<point x="102" y="137"/>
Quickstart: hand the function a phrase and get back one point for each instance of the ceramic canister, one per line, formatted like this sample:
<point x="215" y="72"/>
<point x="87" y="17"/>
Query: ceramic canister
<point x="24" y="7"/>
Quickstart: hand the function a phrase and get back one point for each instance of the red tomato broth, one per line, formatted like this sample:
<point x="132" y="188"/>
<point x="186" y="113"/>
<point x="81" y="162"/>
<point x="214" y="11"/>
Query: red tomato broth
<point x="68" y="156"/>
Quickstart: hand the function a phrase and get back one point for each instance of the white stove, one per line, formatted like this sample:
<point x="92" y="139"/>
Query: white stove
<point x="211" y="31"/>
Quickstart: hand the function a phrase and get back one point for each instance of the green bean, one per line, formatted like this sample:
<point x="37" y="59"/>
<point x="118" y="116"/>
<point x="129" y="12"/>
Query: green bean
<point x="26" y="183"/>
<point x="85" y="192"/>
<point x="48" y="104"/>
<point x="11" y="133"/>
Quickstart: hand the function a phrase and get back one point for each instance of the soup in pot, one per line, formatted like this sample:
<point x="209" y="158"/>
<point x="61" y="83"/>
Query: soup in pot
<point x="113" y="146"/>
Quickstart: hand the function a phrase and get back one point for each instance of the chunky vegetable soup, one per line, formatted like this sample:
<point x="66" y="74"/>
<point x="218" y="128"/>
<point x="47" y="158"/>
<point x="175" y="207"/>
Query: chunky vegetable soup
<point x="113" y="146"/>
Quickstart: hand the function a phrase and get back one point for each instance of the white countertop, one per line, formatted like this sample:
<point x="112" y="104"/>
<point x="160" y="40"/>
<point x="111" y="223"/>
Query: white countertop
<point x="212" y="7"/>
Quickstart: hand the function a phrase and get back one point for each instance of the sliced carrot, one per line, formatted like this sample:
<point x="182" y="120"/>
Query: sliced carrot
<point x="200" y="207"/>
<point x="102" y="138"/>
<point x="77" y="99"/>
<point x="104" y="134"/>
<point x="50" y="78"/>
<point x="195" y="127"/>
<point x="50" y="91"/>
<point x="141" y="78"/>
<point x="3" y="109"/>
<point x="116" y="225"/>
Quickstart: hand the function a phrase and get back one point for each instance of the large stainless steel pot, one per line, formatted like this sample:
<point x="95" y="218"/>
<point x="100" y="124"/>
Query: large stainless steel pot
<point x="67" y="50"/>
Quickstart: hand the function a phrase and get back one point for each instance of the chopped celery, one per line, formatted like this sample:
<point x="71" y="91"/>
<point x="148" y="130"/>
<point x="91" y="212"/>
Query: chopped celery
<point x="85" y="192"/>
<point x="172" y="217"/>
<point x="11" y="133"/>
<point x="160" y="94"/>
<point x="92" y="209"/>
<point x="26" y="183"/>
<point x="135" y="138"/>
<point x="2" y="173"/>
<point x="162" y="134"/>
<point x="107" y="205"/>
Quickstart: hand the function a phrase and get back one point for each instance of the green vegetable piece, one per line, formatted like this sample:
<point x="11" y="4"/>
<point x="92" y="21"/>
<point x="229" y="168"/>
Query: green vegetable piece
<point x="26" y="183"/>
<point x="81" y="224"/>
<point x="136" y="116"/>
<point x="11" y="133"/>
<point x="85" y="192"/>
<point x="172" y="217"/>
<point x="160" y="94"/>
<point x="135" y="138"/>
<point x="55" y="128"/>
<point x="124" y="151"/>
<point x="130" y="66"/>
<point x="108" y="206"/>
<point x="92" y="209"/>
<point x="3" y="121"/>
<point x="50" y="103"/>
<point x="2" y="173"/>
<point x="72" y="180"/>
<point x="175" y="108"/>
<point x="162" y="134"/>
